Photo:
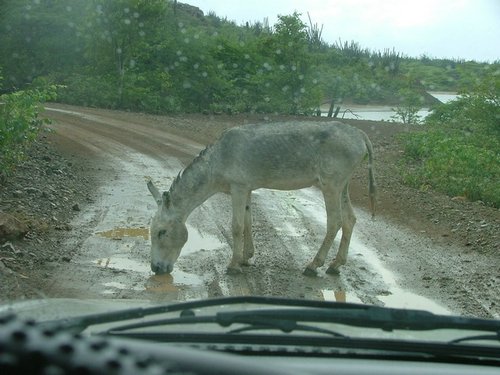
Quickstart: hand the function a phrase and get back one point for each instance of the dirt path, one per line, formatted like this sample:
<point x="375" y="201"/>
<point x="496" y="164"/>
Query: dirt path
<point x="403" y="258"/>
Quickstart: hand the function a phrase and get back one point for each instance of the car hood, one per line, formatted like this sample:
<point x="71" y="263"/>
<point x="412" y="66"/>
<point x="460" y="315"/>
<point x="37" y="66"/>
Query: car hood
<point x="62" y="308"/>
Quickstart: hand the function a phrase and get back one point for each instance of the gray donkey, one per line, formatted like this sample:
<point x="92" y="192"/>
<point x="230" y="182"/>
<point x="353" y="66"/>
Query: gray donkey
<point x="285" y="156"/>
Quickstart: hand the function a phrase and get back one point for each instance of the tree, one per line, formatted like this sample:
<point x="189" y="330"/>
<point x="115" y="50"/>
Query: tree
<point x="37" y="39"/>
<point x="285" y="80"/>
<point x="120" y="32"/>
<point x="410" y="105"/>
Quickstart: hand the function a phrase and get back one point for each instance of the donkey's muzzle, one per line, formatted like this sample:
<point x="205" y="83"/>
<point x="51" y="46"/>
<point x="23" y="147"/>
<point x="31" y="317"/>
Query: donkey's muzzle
<point x="161" y="268"/>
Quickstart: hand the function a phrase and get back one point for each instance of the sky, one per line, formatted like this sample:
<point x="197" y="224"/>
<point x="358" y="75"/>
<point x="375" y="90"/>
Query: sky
<point x="458" y="29"/>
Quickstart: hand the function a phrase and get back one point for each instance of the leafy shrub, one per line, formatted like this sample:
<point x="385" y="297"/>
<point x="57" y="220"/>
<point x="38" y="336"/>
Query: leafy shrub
<point x="136" y="91"/>
<point x="458" y="150"/>
<point x="451" y="165"/>
<point x="20" y="123"/>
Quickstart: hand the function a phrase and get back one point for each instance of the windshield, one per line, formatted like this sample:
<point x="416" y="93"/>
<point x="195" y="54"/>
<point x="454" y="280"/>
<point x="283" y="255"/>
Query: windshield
<point x="161" y="151"/>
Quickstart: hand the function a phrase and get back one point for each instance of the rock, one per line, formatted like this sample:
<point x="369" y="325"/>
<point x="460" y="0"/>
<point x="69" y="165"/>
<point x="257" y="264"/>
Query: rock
<point x="64" y="226"/>
<point x="76" y="207"/>
<point x="11" y="228"/>
<point x="10" y="247"/>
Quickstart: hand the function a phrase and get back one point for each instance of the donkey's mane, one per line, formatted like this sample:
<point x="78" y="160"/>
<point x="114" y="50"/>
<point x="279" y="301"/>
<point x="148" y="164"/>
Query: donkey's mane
<point x="187" y="171"/>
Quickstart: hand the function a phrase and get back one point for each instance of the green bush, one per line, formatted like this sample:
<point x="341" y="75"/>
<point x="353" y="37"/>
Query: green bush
<point x="458" y="149"/>
<point x="20" y="124"/>
<point x="450" y="165"/>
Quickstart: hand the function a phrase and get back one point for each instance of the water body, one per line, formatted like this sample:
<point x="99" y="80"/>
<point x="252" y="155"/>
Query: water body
<point x="386" y="113"/>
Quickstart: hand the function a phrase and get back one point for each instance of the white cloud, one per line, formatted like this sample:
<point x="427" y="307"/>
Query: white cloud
<point x="467" y="29"/>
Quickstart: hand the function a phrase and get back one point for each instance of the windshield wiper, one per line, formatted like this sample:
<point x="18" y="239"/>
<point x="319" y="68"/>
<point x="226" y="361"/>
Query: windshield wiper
<point x="294" y="316"/>
<point x="290" y="319"/>
<point x="290" y="310"/>
<point x="494" y="337"/>
<point x="80" y="323"/>
<point x="251" y="320"/>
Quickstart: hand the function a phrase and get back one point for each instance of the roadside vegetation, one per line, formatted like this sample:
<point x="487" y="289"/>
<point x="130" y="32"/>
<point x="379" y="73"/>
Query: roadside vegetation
<point x="167" y="57"/>
<point x="20" y="123"/>
<point x="457" y="150"/>
<point x="163" y="56"/>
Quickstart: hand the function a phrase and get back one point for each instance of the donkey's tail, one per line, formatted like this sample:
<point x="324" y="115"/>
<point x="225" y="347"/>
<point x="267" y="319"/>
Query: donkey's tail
<point x="372" y="187"/>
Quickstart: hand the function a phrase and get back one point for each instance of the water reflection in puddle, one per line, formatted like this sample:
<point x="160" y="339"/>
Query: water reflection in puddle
<point x="339" y="296"/>
<point x="396" y="296"/>
<point x="125" y="264"/>
<point x="161" y="283"/>
<point x="122" y="263"/>
<point x="119" y="233"/>
<point x="154" y="283"/>
<point x="196" y="240"/>
<point x="200" y="241"/>
<point x="113" y="286"/>
<point x="309" y="202"/>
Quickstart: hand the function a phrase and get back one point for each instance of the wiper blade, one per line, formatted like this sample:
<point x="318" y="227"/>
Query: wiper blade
<point x="495" y="337"/>
<point x="387" y="319"/>
<point x="80" y="323"/>
<point x="305" y="310"/>
<point x="251" y="320"/>
<point x="287" y="319"/>
<point x="287" y="327"/>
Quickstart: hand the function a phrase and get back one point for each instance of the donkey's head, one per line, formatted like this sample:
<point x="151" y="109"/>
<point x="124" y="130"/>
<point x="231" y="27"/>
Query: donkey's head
<point x="168" y="233"/>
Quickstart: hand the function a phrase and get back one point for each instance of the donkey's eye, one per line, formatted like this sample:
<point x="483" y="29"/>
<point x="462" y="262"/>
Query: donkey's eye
<point x="162" y="232"/>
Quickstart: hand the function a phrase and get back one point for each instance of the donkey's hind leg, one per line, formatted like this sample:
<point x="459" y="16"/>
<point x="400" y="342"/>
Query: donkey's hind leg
<point x="239" y="199"/>
<point x="333" y="224"/>
<point x="248" y="247"/>
<point x="348" y="221"/>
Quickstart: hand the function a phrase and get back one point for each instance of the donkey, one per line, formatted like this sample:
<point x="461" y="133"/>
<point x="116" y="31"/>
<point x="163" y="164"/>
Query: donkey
<point x="284" y="156"/>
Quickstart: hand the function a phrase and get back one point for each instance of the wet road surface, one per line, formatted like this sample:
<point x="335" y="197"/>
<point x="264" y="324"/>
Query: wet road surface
<point x="110" y="238"/>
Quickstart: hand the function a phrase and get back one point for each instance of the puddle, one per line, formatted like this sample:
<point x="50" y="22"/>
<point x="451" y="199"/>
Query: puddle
<point x="310" y="203"/>
<point x="161" y="284"/>
<point x="200" y="241"/>
<point x="395" y="297"/>
<point x="119" y="233"/>
<point x="196" y="239"/>
<point x="408" y="300"/>
<point x="339" y="296"/>
<point x="125" y="264"/>
<point x="115" y="284"/>
<point x="167" y="282"/>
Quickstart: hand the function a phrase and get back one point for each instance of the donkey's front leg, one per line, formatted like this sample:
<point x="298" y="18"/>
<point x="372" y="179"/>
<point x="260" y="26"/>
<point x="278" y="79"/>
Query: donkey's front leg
<point x="239" y="199"/>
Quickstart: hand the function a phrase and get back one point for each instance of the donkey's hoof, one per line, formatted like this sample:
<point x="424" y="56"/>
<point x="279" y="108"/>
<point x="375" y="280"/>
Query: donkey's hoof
<point x="310" y="272"/>
<point x="332" y="271"/>
<point x="234" y="270"/>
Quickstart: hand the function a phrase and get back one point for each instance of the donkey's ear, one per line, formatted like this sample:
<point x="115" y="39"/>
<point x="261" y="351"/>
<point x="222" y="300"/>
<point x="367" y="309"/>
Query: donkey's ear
<point x="155" y="192"/>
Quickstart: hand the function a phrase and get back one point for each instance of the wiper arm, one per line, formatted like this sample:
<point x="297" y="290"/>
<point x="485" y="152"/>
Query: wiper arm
<point x="287" y="319"/>
<point x="308" y="311"/>
<point x="287" y="327"/>
<point x="252" y="322"/>
<point x="80" y="323"/>
<point x="384" y="318"/>
<point x="477" y="338"/>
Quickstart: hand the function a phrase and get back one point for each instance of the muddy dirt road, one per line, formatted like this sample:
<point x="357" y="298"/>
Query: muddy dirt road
<point x="388" y="264"/>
